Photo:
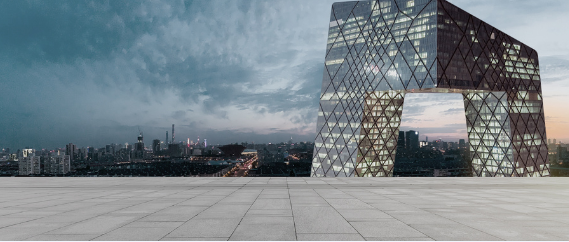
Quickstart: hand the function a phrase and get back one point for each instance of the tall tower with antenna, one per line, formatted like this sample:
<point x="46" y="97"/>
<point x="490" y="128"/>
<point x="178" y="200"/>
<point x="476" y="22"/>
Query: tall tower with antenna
<point x="173" y="135"/>
<point x="139" y="146"/>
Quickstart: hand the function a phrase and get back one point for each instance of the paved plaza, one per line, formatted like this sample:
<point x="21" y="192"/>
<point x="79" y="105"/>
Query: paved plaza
<point x="179" y="208"/>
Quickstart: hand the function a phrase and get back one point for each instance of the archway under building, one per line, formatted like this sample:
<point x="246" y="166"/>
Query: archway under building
<point x="433" y="139"/>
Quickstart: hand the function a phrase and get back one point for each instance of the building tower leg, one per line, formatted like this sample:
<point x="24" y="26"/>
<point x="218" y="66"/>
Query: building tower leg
<point x="379" y="133"/>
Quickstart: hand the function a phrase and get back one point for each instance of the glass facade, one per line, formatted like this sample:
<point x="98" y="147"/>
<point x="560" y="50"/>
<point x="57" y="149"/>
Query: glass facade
<point x="379" y="50"/>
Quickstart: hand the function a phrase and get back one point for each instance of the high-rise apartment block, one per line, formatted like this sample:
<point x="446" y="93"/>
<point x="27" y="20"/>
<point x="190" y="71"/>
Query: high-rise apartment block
<point x="57" y="164"/>
<point x="70" y="150"/>
<point x="377" y="51"/>
<point x="29" y="165"/>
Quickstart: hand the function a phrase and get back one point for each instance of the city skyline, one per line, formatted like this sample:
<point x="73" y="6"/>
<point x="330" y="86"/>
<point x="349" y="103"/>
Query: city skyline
<point x="233" y="71"/>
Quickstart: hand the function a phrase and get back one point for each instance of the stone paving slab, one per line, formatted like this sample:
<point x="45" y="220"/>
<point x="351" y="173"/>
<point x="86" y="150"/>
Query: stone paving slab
<point x="272" y="209"/>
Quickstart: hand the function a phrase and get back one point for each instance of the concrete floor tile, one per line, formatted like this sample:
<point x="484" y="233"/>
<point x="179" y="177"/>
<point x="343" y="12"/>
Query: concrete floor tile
<point x="97" y="225"/>
<point x="348" y="204"/>
<point x="330" y="237"/>
<point x="238" y="200"/>
<point x="399" y="239"/>
<point x="277" y="203"/>
<point x="14" y="234"/>
<point x="394" y="206"/>
<point x="453" y="232"/>
<point x="353" y="215"/>
<point x="458" y="215"/>
<point x="264" y="232"/>
<point x="182" y="210"/>
<point x="6" y="221"/>
<point x="320" y="220"/>
<point x="202" y="201"/>
<point x="194" y="239"/>
<point x="268" y="212"/>
<point x="39" y="226"/>
<point x="422" y="219"/>
<point x="62" y="237"/>
<point x="167" y="218"/>
<point x="307" y="199"/>
<point x="135" y="234"/>
<point x="557" y="231"/>
<point x="8" y="211"/>
<point x="215" y="228"/>
<point x="138" y="224"/>
<point x="282" y="192"/>
<point x="267" y="220"/>
<point x="224" y="211"/>
<point x="386" y="228"/>
<point x="534" y="209"/>
<point x="516" y="233"/>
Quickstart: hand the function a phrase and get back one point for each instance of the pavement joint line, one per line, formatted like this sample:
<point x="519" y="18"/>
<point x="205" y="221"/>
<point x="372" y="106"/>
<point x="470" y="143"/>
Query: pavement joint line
<point x="39" y="219"/>
<point x="147" y="214"/>
<point x="102" y="215"/>
<point x="400" y="220"/>
<point x="292" y="212"/>
<point x="258" y="195"/>
<point x="458" y="222"/>
<point x="47" y="195"/>
<point x="111" y="212"/>
<point x="339" y="212"/>
<point x="165" y="236"/>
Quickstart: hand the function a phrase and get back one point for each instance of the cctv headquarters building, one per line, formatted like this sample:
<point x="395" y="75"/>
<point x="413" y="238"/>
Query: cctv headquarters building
<point x="377" y="51"/>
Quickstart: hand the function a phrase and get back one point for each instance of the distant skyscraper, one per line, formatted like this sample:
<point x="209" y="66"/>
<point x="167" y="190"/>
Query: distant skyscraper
<point x="378" y="51"/>
<point x="155" y="146"/>
<point x="401" y="140"/>
<point x="412" y="140"/>
<point x="70" y="150"/>
<point x="173" y="134"/>
<point x="166" y="139"/>
<point x="139" y="147"/>
<point x="461" y="144"/>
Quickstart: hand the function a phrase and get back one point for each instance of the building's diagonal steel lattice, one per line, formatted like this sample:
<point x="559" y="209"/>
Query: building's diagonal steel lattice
<point x="379" y="50"/>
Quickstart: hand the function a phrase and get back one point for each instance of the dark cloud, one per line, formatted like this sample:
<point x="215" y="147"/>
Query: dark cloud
<point x="92" y="72"/>
<point x="179" y="115"/>
<point x="62" y="31"/>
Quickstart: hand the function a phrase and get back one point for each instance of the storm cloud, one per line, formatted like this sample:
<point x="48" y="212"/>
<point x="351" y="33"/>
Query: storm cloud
<point x="93" y="72"/>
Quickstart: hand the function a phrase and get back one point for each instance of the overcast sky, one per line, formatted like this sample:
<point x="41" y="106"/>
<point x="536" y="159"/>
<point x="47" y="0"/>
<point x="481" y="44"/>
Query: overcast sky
<point x="93" y="72"/>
